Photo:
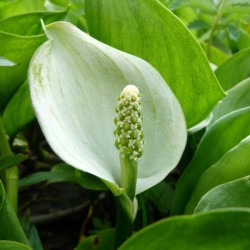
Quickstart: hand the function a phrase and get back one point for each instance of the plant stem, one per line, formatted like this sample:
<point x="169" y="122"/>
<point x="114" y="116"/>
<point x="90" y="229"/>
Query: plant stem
<point x="213" y="29"/>
<point x="129" y="176"/>
<point x="10" y="175"/>
<point x="124" y="219"/>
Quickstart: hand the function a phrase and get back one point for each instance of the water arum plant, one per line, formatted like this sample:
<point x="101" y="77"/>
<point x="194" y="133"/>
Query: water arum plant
<point x="74" y="82"/>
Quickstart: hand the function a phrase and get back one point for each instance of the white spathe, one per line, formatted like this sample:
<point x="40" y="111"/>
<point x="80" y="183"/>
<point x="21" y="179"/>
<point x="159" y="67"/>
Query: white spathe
<point x="75" y="81"/>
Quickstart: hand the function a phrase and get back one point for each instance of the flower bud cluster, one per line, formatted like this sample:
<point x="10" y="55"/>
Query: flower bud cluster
<point x="129" y="132"/>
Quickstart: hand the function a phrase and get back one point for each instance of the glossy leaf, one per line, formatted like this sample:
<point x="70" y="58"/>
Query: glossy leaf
<point x="18" y="49"/>
<point x="220" y="230"/>
<point x="232" y="165"/>
<point x="29" y="23"/>
<point x="10" y="226"/>
<point x="149" y="30"/>
<point x="74" y="82"/>
<point x="214" y="144"/>
<point x="231" y="194"/>
<point x="239" y="62"/>
<point x="238" y="97"/>
<point x="18" y="111"/>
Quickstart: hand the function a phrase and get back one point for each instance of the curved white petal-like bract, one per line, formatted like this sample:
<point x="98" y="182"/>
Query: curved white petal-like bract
<point x="74" y="82"/>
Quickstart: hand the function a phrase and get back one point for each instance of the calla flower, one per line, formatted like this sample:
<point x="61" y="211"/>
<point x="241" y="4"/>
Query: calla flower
<point x="75" y="81"/>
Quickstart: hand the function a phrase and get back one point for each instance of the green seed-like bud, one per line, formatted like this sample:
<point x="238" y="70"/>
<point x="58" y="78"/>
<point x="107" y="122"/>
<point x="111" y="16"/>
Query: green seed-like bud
<point x="128" y="132"/>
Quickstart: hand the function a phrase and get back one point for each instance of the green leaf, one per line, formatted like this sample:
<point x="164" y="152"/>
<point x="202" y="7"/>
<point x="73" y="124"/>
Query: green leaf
<point x="11" y="160"/>
<point x="90" y="181"/>
<point x="11" y="229"/>
<point x="29" y="23"/>
<point x="223" y="229"/>
<point x="11" y="245"/>
<point x="238" y="97"/>
<point x="232" y="165"/>
<point x="18" y="49"/>
<point x="19" y="111"/>
<point x="213" y="145"/>
<point x="20" y="7"/>
<point x="36" y="178"/>
<point x="231" y="194"/>
<point x="63" y="172"/>
<point x="149" y="30"/>
<point x="75" y="81"/>
<point x="239" y="63"/>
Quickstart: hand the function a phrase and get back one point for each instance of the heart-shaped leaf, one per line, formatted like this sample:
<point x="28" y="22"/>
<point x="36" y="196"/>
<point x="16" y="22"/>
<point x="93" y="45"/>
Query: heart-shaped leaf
<point x="149" y="30"/>
<point x="74" y="82"/>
